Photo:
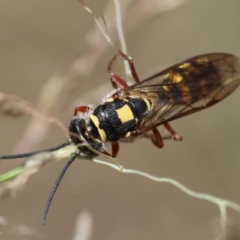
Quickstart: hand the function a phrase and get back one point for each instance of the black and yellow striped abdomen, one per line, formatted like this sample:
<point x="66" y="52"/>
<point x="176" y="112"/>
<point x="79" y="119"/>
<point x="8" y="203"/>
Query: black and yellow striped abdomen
<point x="116" y="119"/>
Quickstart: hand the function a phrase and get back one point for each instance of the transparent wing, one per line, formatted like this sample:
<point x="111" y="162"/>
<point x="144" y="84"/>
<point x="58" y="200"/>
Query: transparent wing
<point x="195" y="84"/>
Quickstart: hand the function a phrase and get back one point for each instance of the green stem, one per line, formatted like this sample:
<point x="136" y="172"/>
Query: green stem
<point x="11" y="174"/>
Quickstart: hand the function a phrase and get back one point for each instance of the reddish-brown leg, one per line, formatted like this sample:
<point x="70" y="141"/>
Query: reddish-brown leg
<point x="110" y="64"/>
<point x="131" y="65"/>
<point x="117" y="81"/>
<point x="83" y="109"/>
<point x="115" y="149"/>
<point x="122" y="83"/>
<point x="156" y="137"/>
<point x="174" y="134"/>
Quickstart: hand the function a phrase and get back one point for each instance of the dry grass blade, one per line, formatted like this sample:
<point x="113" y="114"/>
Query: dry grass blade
<point x="83" y="226"/>
<point x="132" y="13"/>
<point x="52" y="92"/>
<point x="221" y="203"/>
<point x="15" y="106"/>
<point x="32" y="166"/>
<point x="20" y="229"/>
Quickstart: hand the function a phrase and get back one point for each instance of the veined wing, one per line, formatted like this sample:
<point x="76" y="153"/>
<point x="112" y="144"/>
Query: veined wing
<point x="195" y="84"/>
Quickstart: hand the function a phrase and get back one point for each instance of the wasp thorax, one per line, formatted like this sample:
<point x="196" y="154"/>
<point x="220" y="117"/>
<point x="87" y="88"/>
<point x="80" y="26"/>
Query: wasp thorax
<point x="116" y="119"/>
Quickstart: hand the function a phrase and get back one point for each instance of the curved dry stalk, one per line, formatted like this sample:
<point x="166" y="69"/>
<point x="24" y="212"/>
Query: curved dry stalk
<point x="221" y="203"/>
<point x="15" y="106"/>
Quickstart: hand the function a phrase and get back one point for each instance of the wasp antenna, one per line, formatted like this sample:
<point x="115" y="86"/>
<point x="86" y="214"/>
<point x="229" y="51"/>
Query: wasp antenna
<point x="55" y="187"/>
<point x="36" y="152"/>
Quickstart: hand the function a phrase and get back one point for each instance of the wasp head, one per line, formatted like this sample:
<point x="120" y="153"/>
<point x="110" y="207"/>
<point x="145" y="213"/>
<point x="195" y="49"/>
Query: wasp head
<point x="81" y="138"/>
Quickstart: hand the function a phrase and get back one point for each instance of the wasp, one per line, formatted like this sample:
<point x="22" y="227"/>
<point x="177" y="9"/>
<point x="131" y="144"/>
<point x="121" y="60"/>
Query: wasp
<point x="134" y="111"/>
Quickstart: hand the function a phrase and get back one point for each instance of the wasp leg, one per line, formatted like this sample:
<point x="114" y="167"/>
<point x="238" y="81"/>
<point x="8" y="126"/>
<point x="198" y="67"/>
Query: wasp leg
<point x="82" y="109"/>
<point x="131" y="65"/>
<point x="156" y="137"/>
<point x="110" y="64"/>
<point x="174" y="134"/>
<point x="115" y="149"/>
<point x="117" y="81"/>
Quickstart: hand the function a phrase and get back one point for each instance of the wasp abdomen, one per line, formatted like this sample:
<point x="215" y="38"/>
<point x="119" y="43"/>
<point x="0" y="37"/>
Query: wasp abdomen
<point x="116" y="119"/>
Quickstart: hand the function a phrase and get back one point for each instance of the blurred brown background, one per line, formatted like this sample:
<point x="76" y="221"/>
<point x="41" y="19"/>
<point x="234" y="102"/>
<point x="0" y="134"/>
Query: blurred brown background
<point x="41" y="39"/>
